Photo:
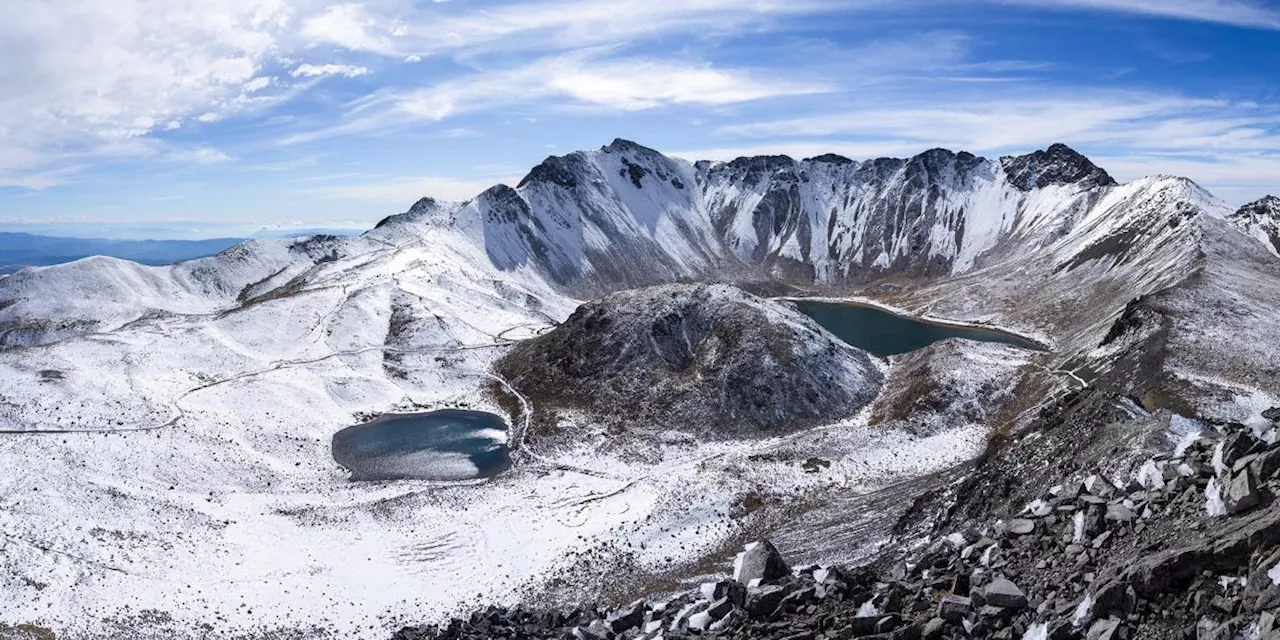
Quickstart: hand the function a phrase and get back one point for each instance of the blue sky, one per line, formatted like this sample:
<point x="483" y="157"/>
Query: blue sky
<point x="158" y="118"/>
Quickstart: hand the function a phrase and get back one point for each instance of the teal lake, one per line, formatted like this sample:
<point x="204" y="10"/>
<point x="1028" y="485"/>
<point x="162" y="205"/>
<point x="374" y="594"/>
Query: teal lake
<point x="449" y="444"/>
<point x="886" y="334"/>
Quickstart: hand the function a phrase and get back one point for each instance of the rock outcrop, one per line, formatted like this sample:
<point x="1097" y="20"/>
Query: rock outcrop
<point x="711" y="360"/>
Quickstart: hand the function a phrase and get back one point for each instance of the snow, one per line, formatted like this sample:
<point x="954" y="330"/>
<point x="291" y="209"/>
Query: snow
<point x="700" y="620"/>
<point x="1151" y="475"/>
<point x="1219" y="467"/>
<point x="1186" y="431"/>
<point x="1083" y="614"/>
<point x="1037" y="631"/>
<point x="1213" y="504"/>
<point x="1038" y="508"/>
<point x="1274" y="574"/>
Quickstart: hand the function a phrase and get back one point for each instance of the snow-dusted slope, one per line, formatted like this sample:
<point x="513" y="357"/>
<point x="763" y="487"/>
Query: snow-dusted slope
<point x="96" y="294"/>
<point x="167" y="428"/>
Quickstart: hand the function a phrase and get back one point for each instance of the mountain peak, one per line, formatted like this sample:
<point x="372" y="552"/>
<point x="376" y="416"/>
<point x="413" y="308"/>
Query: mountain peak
<point x="556" y="170"/>
<point x="423" y="205"/>
<point x="1264" y="205"/>
<point x="1056" y="165"/>
<point x="830" y="158"/>
<point x="421" y="208"/>
<point x="621" y="145"/>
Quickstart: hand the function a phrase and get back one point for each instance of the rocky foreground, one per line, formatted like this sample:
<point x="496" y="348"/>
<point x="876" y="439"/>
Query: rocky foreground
<point x="1187" y="546"/>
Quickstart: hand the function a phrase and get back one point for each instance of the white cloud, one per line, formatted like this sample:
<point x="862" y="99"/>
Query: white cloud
<point x="460" y="132"/>
<point x="578" y="80"/>
<point x="1010" y="121"/>
<point x="199" y="155"/>
<point x="319" y="70"/>
<point x="356" y="27"/>
<point x="84" y="82"/>
<point x="1241" y="13"/>
<point x="392" y="27"/>
<point x="257" y="84"/>
<point x="85" y="79"/>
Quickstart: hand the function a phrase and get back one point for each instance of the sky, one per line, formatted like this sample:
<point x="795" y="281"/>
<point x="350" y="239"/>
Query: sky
<point x="204" y="118"/>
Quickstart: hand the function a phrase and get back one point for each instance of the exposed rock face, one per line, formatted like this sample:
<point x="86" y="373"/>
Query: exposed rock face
<point x="706" y="359"/>
<point x="1057" y="165"/>
<point x="1261" y="219"/>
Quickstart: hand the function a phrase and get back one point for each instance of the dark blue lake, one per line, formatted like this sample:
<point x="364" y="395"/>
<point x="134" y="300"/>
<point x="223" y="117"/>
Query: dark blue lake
<point x="449" y="444"/>
<point x="885" y="334"/>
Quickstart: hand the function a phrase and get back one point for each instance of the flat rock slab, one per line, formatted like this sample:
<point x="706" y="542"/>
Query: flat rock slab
<point x="1020" y="527"/>
<point x="1003" y="593"/>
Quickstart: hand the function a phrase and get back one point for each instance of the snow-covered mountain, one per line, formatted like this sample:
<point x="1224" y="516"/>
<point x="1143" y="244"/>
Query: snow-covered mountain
<point x="171" y="422"/>
<point x="625" y="215"/>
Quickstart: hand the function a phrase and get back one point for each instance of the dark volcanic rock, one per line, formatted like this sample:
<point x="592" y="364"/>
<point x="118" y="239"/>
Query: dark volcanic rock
<point x="706" y="359"/>
<point x="1059" y="164"/>
<point x="760" y="561"/>
<point x="1261" y="219"/>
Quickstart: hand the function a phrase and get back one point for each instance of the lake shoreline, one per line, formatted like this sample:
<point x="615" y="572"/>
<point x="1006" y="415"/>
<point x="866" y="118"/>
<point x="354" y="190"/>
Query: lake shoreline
<point x="1034" y="342"/>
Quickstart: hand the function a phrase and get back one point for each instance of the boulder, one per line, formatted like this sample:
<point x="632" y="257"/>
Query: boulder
<point x="798" y="598"/>
<point x="1119" y="513"/>
<point x="953" y="608"/>
<point x="762" y="601"/>
<point x="1099" y="487"/>
<point x="1103" y="629"/>
<point x="760" y="561"/>
<point x="628" y="618"/>
<point x="731" y="589"/>
<point x="1237" y="445"/>
<point x="1003" y="593"/>
<point x="1242" y="493"/>
<point x="720" y="608"/>
<point x="1272" y="414"/>
<point x="1266" y="465"/>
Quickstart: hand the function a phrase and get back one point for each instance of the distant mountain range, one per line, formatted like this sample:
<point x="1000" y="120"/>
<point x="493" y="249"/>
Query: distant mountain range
<point x="19" y="250"/>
